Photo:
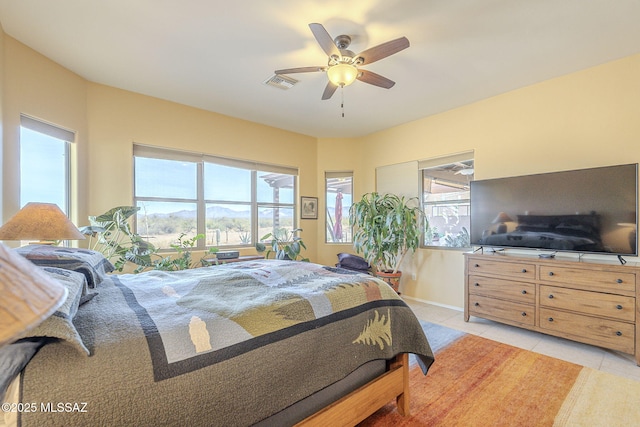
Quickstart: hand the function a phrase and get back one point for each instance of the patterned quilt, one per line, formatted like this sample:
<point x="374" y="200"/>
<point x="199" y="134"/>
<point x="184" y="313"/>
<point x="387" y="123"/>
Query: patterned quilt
<point x="221" y="345"/>
<point x="90" y="263"/>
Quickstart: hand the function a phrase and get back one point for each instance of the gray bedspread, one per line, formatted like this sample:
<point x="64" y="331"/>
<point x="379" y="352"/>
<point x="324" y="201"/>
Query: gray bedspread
<point x="223" y="345"/>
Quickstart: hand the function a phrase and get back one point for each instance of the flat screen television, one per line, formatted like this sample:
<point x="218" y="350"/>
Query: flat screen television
<point x="587" y="211"/>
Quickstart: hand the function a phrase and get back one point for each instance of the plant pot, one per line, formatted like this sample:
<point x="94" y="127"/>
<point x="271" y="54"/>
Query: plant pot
<point x="392" y="279"/>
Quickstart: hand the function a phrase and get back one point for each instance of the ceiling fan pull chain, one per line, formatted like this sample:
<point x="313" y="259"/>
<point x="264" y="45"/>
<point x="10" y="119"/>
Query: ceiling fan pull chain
<point x="343" y="66"/>
<point x="342" y="99"/>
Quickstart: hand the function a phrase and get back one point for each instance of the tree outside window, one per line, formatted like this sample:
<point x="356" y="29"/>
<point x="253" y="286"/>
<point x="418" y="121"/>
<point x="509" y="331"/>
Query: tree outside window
<point x="338" y="200"/>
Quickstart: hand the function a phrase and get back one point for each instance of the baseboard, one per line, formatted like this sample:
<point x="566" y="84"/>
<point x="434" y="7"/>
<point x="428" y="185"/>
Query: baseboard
<point x="451" y="307"/>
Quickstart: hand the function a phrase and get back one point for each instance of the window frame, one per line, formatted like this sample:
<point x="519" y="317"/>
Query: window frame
<point x="140" y="150"/>
<point x="332" y="175"/>
<point x="67" y="137"/>
<point x="436" y="162"/>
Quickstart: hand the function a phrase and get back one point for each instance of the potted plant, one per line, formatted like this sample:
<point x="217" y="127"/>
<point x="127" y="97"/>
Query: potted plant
<point x="387" y="227"/>
<point x="285" y="244"/>
<point x="183" y="260"/>
<point x="115" y="239"/>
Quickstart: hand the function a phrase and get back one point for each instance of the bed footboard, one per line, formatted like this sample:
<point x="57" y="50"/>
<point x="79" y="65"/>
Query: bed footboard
<point x="359" y="404"/>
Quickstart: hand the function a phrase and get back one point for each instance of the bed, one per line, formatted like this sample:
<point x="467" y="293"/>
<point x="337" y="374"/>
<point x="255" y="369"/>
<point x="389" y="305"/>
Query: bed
<point x="254" y="343"/>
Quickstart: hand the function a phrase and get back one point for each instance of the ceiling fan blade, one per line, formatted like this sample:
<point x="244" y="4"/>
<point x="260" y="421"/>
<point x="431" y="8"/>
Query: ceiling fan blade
<point x="324" y="40"/>
<point x="329" y="90"/>
<point x="300" y="70"/>
<point x="375" y="79"/>
<point x="383" y="50"/>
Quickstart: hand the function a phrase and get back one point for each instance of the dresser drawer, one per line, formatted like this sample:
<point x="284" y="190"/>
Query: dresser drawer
<point x="515" y="270"/>
<point x="594" y="280"/>
<point x="593" y="303"/>
<point x="503" y="288"/>
<point x="507" y="310"/>
<point x="591" y="330"/>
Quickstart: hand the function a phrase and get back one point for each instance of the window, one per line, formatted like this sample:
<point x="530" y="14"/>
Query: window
<point x="44" y="163"/>
<point x="446" y="200"/>
<point x="339" y="197"/>
<point x="166" y="193"/>
<point x="231" y="202"/>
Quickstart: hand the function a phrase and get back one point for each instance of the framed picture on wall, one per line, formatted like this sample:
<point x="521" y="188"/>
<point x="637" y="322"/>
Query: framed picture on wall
<point x="309" y="207"/>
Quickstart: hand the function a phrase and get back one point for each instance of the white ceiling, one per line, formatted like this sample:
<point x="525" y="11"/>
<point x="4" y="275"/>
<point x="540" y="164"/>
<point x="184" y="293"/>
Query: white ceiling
<point x="215" y="55"/>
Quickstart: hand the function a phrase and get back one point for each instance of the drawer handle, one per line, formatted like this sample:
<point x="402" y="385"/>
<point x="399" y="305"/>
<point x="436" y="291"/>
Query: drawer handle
<point x="524" y="292"/>
<point x="619" y="333"/>
<point x="550" y="319"/>
<point x="524" y="313"/>
<point x="476" y="284"/>
<point x="550" y="296"/>
<point x="619" y="281"/>
<point x="551" y="273"/>
<point x="476" y="265"/>
<point x="619" y="307"/>
<point x="524" y="270"/>
<point x="477" y="304"/>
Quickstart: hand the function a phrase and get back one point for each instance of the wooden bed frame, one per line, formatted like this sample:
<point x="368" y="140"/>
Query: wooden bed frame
<point x="361" y="403"/>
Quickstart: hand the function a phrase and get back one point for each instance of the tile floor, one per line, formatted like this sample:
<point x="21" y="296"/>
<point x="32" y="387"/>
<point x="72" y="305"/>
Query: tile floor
<point x="593" y="357"/>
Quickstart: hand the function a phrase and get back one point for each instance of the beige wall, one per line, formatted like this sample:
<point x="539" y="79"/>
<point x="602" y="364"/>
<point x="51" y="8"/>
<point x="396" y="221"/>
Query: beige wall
<point x="118" y="118"/>
<point x="585" y="119"/>
<point x="336" y="155"/>
<point x="108" y="121"/>
<point x="37" y="86"/>
<point x="580" y="120"/>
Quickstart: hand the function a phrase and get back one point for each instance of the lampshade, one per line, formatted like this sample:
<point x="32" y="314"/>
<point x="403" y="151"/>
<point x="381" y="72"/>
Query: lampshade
<point x="342" y="74"/>
<point x="40" y="221"/>
<point x="27" y="295"/>
<point x="502" y="217"/>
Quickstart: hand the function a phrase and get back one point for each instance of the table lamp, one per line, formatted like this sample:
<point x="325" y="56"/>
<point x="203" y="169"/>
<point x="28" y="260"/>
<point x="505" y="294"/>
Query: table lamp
<point x="44" y="222"/>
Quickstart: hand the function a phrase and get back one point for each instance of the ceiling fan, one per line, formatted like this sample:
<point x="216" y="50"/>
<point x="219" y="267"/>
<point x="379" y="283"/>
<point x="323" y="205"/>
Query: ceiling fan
<point x="463" y="169"/>
<point x="343" y="66"/>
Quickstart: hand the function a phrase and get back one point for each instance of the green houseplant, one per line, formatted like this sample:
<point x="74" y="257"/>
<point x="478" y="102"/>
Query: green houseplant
<point x="115" y="239"/>
<point x="183" y="259"/>
<point x="285" y="244"/>
<point x="386" y="228"/>
<point x="111" y="234"/>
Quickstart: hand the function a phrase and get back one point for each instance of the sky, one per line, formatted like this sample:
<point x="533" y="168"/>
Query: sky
<point x="172" y="179"/>
<point x="42" y="156"/>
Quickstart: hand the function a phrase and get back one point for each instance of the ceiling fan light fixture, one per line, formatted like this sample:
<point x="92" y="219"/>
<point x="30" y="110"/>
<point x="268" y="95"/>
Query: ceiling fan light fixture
<point x="343" y="65"/>
<point x="342" y="74"/>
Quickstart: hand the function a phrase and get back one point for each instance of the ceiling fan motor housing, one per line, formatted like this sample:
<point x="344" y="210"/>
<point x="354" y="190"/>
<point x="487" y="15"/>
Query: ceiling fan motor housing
<point x="342" y="41"/>
<point x="343" y="65"/>
<point x="346" y="57"/>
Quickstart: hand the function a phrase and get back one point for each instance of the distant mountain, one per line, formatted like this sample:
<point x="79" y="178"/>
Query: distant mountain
<point x="215" y="211"/>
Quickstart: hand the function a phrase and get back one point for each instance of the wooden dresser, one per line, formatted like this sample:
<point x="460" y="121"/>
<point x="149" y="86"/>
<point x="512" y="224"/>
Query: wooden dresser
<point x="587" y="301"/>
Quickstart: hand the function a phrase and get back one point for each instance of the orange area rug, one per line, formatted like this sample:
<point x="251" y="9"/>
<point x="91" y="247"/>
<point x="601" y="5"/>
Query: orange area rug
<point x="478" y="382"/>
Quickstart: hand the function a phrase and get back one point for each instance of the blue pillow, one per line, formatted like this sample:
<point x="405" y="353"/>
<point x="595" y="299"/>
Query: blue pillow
<point x="60" y="324"/>
<point x="353" y="262"/>
<point x="90" y="263"/>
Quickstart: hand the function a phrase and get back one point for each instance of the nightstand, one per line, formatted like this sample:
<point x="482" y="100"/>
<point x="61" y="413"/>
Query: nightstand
<point x="212" y="260"/>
